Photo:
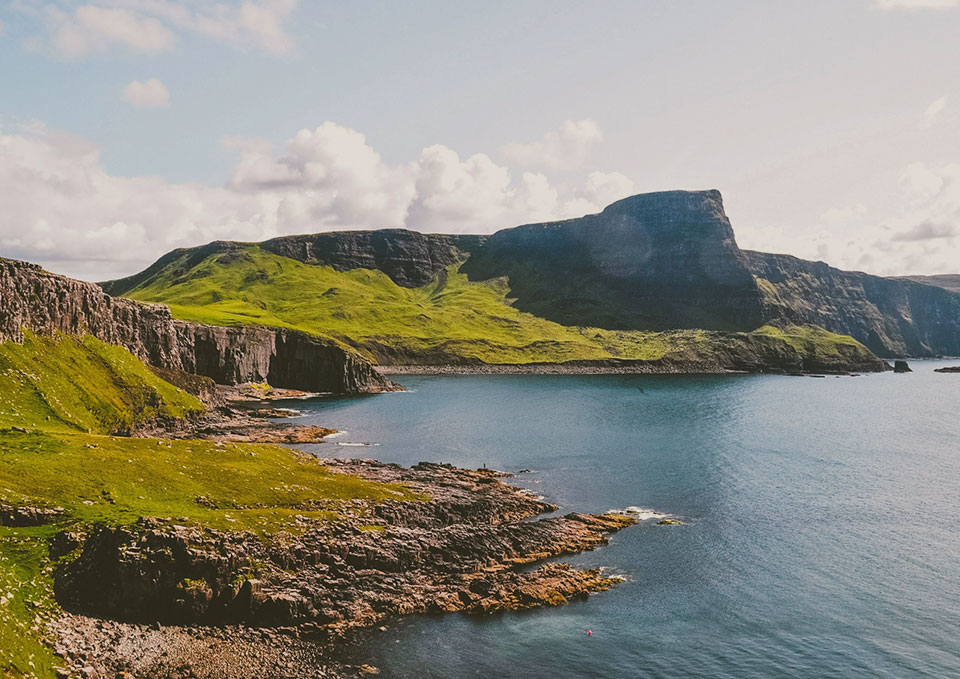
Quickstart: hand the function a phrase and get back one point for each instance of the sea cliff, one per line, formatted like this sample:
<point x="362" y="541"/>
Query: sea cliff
<point x="893" y="317"/>
<point x="545" y="293"/>
<point x="32" y="299"/>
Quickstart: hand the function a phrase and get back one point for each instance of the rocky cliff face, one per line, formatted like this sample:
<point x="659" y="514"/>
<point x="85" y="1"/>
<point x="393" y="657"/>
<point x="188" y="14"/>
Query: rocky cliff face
<point x="463" y="549"/>
<point x="653" y="261"/>
<point x="35" y="300"/>
<point x="892" y="317"/>
<point x="649" y="262"/>
<point x="410" y="258"/>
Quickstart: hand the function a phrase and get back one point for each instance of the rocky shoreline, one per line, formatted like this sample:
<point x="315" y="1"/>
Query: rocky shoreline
<point x="598" y="368"/>
<point x="548" y="369"/>
<point x="147" y="599"/>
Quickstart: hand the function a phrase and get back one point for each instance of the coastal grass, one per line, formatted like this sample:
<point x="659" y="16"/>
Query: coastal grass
<point x="26" y="603"/>
<point x="63" y="400"/>
<point x="450" y="320"/>
<point x="226" y="486"/>
<point x="811" y="340"/>
<point x="96" y="479"/>
<point x="66" y="383"/>
<point x="449" y="317"/>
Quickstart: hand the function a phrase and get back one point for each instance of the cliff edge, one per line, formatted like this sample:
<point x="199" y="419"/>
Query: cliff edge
<point x="32" y="299"/>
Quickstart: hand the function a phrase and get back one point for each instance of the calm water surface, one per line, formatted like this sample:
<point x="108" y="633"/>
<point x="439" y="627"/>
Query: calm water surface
<point x="822" y="534"/>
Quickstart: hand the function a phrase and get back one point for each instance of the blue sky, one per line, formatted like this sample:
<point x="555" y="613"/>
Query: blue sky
<point x="129" y="127"/>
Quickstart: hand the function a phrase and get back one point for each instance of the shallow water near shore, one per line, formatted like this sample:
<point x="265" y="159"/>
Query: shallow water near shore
<point x="821" y="533"/>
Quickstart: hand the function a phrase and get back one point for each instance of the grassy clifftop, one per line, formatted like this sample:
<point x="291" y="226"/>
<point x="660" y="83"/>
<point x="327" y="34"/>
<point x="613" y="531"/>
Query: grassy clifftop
<point x="82" y="384"/>
<point x="62" y="402"/>
<point x="449" y="320"/>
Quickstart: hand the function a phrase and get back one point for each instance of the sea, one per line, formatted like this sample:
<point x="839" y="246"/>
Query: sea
<point x="819" y="534"/>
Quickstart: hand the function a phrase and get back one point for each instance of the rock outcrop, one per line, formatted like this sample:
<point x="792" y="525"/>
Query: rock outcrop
<point x="410" y="258"/>
<point x="287" y="605"/>
<point x="892" y="317"/>
<point x="652" y="262"/>
<point x="465" y="547"/>
<point x="32" y="299"/>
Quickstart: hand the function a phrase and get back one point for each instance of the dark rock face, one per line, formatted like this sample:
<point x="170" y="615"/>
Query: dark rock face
<point x="891" y="317"/>
<point x="35" y="300"/>
<point x="948" y="369"/>
<point x="410" y="258"/>
<point x="901" y="367"/>
<point x="653" y="261"/>
<point x="464" y="549"/>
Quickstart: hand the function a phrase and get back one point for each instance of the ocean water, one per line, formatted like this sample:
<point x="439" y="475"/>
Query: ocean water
<point x="821" y="532"/>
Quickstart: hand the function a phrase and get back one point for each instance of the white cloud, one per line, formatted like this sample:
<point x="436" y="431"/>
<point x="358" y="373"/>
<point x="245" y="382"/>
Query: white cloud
<point x="844" y="215"/>
<point x="926" y="230"/>
<point x="600" y="189"/>
<point x="933" y="111"/>
<point x="153" y="26"/>
<point x="916" y="4"/>
<point x="328" y="176"/>
<point x="921" y="236"/>
<point x="64" y="210"/>
<point x="557" y="149"/>
<point x="921" y="182"/>
<point x="933" y="204"/>
<point x="148" y="94"/>
<point x="474" y="194"/>
<point x="91" y="28"/>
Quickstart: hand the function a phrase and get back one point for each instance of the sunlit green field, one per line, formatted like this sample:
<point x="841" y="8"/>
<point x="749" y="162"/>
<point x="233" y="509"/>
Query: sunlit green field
<point x="450" y="320"/>
<point x="63" y="402"/>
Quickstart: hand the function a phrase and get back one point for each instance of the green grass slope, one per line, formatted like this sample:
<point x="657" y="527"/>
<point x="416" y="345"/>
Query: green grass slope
<point x="61" y="400"/>
<point x="450" y="320"/>
<point x="73" y="384"/>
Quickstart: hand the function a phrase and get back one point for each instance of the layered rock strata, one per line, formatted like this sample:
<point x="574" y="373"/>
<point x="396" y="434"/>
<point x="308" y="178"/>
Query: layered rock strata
<point x="467" y="546"/>
<point x="458" y="550"/>
<point x="892" y="317"/>
<point x="35" y="300"/>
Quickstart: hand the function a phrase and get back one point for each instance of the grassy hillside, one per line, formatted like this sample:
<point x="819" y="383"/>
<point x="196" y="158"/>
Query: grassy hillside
<point x="450" y="320"/>
<point x="65" y="397"/>
<point x="71" y="384"/>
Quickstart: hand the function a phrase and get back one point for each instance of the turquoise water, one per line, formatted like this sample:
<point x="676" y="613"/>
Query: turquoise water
<point x="822" y="534"/>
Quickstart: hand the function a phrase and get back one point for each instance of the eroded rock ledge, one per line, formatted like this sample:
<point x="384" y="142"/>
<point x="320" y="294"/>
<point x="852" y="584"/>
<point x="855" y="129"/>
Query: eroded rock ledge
<point x="463" y="549"/>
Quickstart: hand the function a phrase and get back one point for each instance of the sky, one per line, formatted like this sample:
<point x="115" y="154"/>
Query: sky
<point x="132" y="127"/>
